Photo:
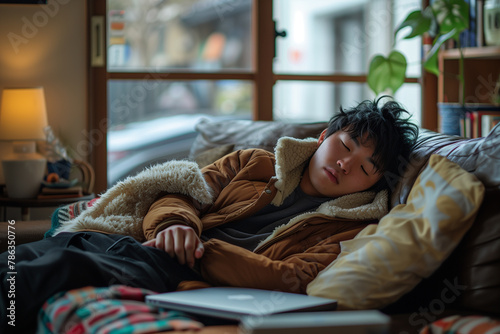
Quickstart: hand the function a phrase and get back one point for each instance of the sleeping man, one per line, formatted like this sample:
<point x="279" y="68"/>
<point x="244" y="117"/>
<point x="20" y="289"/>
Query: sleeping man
<point x="251" y="219"/>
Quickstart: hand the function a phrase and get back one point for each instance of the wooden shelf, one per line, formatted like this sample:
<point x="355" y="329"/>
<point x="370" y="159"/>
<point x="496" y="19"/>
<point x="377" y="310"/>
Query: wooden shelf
<point x="481" y="72"/>
<point x="473" y="53"/>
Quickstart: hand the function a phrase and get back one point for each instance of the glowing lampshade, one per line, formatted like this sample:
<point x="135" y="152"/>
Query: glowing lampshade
<point x="23" y="115"/>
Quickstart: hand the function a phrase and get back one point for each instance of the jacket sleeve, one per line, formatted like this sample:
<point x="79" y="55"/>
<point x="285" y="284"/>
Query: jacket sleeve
<point x="173" y="209"/>
<point x="224" y="264"/>
<point x="170" y="210"/>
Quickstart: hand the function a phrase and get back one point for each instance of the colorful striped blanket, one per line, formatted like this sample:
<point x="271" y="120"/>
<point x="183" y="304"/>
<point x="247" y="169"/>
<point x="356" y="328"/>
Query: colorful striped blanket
<point x="112" y="310"/>
<point x="66" y="213"/>
<point x="456" y="324"/>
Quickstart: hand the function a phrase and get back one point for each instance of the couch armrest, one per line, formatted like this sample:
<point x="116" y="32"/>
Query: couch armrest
<point x="25" y="231"/>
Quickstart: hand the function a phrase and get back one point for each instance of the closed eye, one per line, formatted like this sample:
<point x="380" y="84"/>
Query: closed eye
<point x="346" y="146"/>
<point x="364" y="171"/>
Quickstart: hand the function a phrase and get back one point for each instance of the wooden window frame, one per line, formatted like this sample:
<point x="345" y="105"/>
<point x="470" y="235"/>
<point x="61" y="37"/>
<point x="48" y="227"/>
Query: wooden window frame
<point x="262" y="77"/>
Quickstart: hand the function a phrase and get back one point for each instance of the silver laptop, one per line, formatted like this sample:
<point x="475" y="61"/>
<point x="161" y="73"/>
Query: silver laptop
<point x="235" y="303"/>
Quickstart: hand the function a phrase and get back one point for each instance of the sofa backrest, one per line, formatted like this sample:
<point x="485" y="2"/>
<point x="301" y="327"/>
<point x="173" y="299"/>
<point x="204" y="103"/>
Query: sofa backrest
<point x="478" y="156"/>
<point x="218" y="138"/>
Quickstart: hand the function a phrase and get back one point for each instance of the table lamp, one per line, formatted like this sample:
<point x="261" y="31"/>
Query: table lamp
<point x="23" y="117"/>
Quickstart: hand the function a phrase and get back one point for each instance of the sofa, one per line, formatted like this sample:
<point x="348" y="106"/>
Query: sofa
<point x="466" y="283"/>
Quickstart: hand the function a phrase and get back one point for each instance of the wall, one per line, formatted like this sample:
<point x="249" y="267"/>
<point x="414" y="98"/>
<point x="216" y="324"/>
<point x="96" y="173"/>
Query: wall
<point x="45" y="45"/>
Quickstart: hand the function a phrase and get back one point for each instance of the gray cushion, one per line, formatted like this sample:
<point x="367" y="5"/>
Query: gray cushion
<point x="218" y="138"/>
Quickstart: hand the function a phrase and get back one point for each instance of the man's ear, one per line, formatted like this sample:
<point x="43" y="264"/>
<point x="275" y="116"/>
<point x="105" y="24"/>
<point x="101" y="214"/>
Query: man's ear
<point x="322" y="137"/>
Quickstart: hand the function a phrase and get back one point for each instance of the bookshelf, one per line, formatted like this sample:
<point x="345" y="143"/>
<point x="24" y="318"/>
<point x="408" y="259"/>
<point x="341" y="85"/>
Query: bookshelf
<point x="482" y="70"/>
<point x="478" y="123"/>
<point x="481" y="74"/>
<point x="484" y="52"/>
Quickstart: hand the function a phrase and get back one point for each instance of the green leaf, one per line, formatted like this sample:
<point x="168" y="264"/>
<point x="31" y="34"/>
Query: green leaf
<point x="419" y="22"/>
<point x="431" y="59"/>
<point x="451" y="15"/>
<point x="387" y="72"/>
<point x="431" y="63"/>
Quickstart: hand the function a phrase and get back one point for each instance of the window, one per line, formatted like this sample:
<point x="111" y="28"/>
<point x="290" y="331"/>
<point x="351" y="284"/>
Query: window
<point x="197" y="35"/>
<point x="152" y="121"/>
<point x="336" y="39"/>
<point x="169" y="63"/>
<point x="152" y="118"/>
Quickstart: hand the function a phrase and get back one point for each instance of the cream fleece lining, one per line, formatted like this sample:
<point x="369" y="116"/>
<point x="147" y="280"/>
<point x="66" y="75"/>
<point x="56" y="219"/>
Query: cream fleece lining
<point x="121" y="209"/>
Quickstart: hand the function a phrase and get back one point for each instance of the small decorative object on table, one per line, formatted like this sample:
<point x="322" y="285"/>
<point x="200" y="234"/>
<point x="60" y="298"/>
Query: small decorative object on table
<point x="55" y="187"/>
<point x="57" y="183"/>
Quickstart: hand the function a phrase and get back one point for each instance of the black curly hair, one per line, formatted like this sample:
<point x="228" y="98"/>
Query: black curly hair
<point x="387" y="126"/>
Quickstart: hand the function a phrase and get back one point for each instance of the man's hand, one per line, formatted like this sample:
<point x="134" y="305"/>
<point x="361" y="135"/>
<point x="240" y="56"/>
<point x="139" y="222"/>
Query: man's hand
<point x="180" y="242"/>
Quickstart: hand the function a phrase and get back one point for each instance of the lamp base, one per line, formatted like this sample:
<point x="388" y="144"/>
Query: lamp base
<point x="24" y="171"/>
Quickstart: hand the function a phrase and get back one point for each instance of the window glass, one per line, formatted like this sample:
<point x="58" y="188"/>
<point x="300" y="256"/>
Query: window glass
<point x="307" y="101"/>
<point x="338" y="36"/>
<point x="411" y="48"/>
<point x="151" y="121"/>
<point x="201" y="35"/>
<point x="409" y="95"/>
<point x="310" y="101"/>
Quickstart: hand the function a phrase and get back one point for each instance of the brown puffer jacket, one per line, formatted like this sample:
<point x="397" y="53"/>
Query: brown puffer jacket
<point x="242" y="183"/>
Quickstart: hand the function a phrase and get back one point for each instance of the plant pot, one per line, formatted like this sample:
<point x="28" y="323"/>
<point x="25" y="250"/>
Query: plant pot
<point x="452" y="115"/>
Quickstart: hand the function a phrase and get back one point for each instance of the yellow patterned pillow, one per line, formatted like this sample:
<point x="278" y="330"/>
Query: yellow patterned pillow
<point x="385" y="261"/>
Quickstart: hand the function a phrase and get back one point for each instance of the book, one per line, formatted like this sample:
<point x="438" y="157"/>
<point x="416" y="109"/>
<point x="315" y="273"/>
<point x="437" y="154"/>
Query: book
<point x="466" y="125"/>
<point x="464" y="36"/>
<point x="42" y="196"/>
<point x="479" y="119"/>
<point x="469" y="37"/>
<point x="352" y="322"/>
<point x="472" y="23"/>
<point x="483" y="121"/>
<point x="48" y="192"/>
<point x="480" y="22"/>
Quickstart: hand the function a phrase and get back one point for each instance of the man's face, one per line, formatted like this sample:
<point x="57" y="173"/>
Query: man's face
<point x="340" y="166"/>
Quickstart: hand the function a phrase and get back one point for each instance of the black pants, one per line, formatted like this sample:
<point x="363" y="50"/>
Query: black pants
<point x="74" y="260"/>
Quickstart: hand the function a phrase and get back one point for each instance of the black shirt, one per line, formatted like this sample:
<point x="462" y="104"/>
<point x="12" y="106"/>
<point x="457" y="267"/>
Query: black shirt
<point x="248" y="232"/>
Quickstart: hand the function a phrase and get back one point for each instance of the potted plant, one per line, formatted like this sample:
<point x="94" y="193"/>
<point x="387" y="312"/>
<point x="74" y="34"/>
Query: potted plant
<point x="441" y="21"/>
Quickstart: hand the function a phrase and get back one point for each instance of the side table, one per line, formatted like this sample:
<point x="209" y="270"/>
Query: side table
<point x="26" y="204"/>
